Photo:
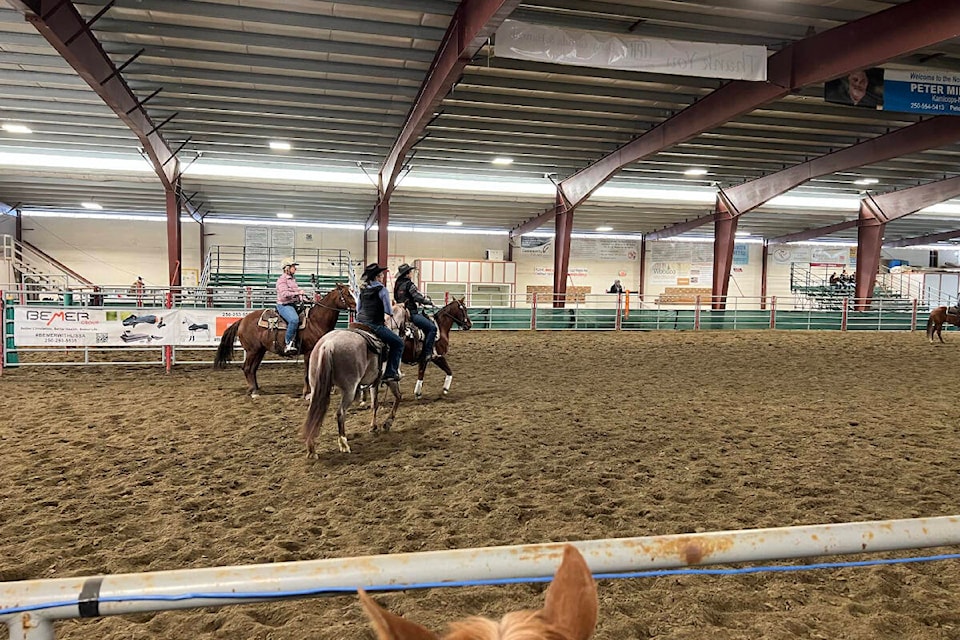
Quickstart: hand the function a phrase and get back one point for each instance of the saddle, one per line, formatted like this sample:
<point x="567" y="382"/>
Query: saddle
<point x="374" y="344"/>
<point x="270" y="319"/>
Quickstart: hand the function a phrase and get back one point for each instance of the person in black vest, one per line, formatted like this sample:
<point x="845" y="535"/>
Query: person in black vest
<point x="406" y="292"/>
<point x="616" y="287"/>
<point x="372" y="307"/>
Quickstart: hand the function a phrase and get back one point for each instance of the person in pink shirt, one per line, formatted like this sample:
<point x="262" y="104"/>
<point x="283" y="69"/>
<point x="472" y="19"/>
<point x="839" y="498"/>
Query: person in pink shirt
<point x="288" y="295"/>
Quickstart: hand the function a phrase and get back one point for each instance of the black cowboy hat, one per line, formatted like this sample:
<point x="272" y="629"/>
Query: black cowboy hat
<point x="404" y="269"/>
<point x="372" y="270"/>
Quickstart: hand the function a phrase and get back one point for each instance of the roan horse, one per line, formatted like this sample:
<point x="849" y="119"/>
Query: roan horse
<point x="344" y="358"/>
<point x="569" y="613"/>
<point x="939" y="317"/>
<point x="256" y="341"/>
<point x="455" y="311"/>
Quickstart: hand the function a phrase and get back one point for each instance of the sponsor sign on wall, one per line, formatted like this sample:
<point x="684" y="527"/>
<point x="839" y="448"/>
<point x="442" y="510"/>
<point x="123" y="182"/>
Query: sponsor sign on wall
<point x="536" y="245"/>
<point x="73" y="327"/>
<point x="932" y="92"/>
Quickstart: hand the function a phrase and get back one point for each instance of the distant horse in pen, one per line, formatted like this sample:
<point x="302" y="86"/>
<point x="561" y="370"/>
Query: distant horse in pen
<point x="939" y="317"/>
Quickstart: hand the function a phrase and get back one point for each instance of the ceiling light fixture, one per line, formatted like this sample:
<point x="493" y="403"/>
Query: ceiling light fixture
<point x="695" y="172"/>
<point x="278" y="145"/>
<point x="501" y="160"/>
<point x="456" y="222"/>
<point x="91" y="205"/>
<point x="284" y="215"/>
<point x="866" y="181"/>
<point x="10" y="127"/>
<point x="604" y="227"/>
<point x="743" y="233"/>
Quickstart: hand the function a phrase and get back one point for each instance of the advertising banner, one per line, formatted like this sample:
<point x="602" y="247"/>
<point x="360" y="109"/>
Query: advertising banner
<point x="557" y="45"/>
<point x="77" y="327"/>
<point x="536" y="245"/>
<point x="931" y="92"/>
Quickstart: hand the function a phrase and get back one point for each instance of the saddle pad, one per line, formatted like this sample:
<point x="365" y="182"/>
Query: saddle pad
<point x="270" y="319"/>
<point x="374" y="344"/>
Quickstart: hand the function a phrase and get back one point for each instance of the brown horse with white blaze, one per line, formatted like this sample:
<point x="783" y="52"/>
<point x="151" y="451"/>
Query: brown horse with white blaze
<point x="939" y="317"/>
<point x="256" y="341"/>
<point x="454" y="312"/>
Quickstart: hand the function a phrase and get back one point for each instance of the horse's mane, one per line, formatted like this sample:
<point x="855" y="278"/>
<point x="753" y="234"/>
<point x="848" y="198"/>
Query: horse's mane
<point x="519" y="625"/>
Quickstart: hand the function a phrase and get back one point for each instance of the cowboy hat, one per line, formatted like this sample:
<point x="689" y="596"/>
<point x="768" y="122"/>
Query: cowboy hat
<point x="288" y="262"/>
<point x="372" y="270"/>
<point x="404" y="269"/>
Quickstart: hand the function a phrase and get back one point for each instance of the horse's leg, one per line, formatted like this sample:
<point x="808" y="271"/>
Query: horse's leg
<point x="374" y="405"/>
<point x="939" y="332"/>
<point x="441" y="361"/>
<point x="418" y="388"/>
<point x="345" y="401"/>
<point x="395" y="389"/>
<point x="250" y="365"/>
<point x="306" y="376"/>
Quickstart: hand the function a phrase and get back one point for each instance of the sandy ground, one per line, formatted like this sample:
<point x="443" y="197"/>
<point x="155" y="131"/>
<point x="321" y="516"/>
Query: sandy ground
<point x="544" y="437"/>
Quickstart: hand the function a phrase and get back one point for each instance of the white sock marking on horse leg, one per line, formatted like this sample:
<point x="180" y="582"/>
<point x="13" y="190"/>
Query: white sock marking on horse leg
<point x="446" y="383"/>
<point x="418" y="388"/>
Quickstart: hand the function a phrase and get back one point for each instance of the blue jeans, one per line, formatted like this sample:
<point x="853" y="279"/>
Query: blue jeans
<point x="289" y="313"/>
<point x="395" y="343"/>
<point x="429" y="330"/>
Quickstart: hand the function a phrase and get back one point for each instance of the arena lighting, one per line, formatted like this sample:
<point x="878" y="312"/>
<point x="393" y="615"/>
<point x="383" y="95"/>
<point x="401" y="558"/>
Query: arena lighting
<point x="604" y="227"/>
<point x="261" y="174"/>
<point x="502" y="161"/>
<point x="97" y="216"/>
<point x="743" y="234"/>
<point x="866" y="181"/>
<point x="10" y="127"/>
<point x="284" y="215"/>
<point x="454" y="223"/>
<point x="803" y="202"/>
<point x="695" y="172"/>
<point x="92" y="205"/>
<point x="22" y="160"/>
<point x="279" y="145"/>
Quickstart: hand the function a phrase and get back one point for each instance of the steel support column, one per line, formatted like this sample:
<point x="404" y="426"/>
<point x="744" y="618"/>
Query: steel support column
<point x="764" y="258"/>
<point x="383" y="228"/>
<point x="174" y="237"/>
<point x="869" y="243"/>
<point x="643" y="267"/>
<point x="18" y="227"/>
<point x="561" y="253"/>
<point x="724" y="236"/>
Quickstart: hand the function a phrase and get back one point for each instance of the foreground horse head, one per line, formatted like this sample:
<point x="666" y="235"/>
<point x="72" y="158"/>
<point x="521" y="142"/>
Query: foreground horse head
<point x="939" y="317"/>
<point x="569" y="613"/>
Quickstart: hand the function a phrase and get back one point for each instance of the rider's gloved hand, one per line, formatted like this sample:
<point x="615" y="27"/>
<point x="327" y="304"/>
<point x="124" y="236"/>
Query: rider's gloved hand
<point x="427" y="300"/>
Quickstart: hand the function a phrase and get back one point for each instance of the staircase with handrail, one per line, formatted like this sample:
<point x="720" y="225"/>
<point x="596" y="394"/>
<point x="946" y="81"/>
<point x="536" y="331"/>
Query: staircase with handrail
<point x="36" y="271"/>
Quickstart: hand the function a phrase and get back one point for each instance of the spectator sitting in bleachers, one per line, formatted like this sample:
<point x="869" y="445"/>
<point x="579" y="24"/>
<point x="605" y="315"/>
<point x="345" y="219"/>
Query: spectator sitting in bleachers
<point x="834" y="279"/>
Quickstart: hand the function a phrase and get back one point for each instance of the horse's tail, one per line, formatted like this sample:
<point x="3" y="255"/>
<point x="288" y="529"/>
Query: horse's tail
<point x="320" y="395"/>
<point x="225" y="350"/>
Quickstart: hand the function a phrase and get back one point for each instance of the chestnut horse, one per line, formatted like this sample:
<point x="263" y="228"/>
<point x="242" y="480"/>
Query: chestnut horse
<point x="455" y="311"/>
<point x="321" y="317"/>
<point x="939" y="317"/>
<point x="569" y="613"/>
<point x="342" y="358"/>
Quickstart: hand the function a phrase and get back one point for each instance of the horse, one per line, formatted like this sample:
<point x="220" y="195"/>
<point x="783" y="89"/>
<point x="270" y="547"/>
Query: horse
<point x="939" y="317"/>
<point x="320" y="318"/>
<point x="569" y="612"/>
<point x="455" y="311"/>
<point x="344" y="358"/>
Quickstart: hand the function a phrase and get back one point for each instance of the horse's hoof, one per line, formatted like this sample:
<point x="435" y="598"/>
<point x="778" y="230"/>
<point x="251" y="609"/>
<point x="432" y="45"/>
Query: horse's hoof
<point x="446" y="391"/>
<point x="418" y="395"/>
<point x="255" y="395"/>
<point x="387" y="425"/>
<point x="342" y="444"/>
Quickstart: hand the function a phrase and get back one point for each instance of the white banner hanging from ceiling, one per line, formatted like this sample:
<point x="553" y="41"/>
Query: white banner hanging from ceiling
<point x="524" y="41"/>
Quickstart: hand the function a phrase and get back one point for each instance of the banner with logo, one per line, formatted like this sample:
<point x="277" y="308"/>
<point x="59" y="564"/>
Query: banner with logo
<point x="536" y="245"/>
<point x="525" y="41"/>
<point x="77" y="327"/>
<point x="931" y="92"/>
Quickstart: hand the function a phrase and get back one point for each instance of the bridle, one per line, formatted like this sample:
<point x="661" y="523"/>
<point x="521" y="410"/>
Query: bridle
<point x="460" y="322"/>
<point x="342" y="300"/>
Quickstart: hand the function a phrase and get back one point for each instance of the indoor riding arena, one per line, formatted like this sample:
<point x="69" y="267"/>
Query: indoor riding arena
<point x="543" y="437"/>
<point x="670" y="292"/>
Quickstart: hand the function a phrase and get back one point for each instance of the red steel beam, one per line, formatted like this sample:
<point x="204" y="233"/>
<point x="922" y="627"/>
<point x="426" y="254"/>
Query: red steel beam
<point x="472" y="23"/>
<point x="810" y="234"/>
<point x="898" y="204"/>
<point x="927" y="239"/>
<point x="856" y="45"/>
<point x="681" y="227"/>
<point x="64" y="28"/>
<point x="534" y="223"/>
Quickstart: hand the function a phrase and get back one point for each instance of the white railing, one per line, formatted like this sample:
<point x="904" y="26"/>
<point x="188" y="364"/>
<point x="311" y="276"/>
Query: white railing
<point x="30" y="607"/>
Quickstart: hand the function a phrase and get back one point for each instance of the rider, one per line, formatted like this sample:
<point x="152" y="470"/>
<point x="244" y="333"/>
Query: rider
<point x="406" y="292"/>
<point x="372" y="307"/>
<point x="288" y="295"/>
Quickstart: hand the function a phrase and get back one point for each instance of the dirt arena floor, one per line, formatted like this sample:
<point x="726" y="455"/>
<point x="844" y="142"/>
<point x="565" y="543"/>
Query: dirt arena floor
<point x="544" y="437"/>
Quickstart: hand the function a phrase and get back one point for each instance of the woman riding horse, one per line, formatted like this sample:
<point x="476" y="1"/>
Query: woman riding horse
<point x="454" y="312"/>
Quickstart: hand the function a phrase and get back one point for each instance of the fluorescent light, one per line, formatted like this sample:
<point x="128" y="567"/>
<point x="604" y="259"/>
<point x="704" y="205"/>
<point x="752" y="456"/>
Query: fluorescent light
<point x="604" y="227"/>
<point x="866" y="181"/>
<point x="502" y="160"/>
<point x="16" y="128"/>
<point x="91" y="205"/>
<point x="284" y="215"/>
<point x="454" y="223"/>
<point x="695" y="172"/>
<point x="743" y="233"/>
<point x="278" y="145"/>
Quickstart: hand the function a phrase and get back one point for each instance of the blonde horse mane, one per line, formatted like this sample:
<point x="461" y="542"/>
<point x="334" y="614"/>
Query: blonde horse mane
<point x="569" y="613"/>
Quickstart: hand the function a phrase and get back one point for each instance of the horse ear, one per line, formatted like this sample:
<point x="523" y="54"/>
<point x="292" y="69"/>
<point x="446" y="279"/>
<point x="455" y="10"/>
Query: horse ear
<point x="571" y="601"/>
<point x="389" y="626"/>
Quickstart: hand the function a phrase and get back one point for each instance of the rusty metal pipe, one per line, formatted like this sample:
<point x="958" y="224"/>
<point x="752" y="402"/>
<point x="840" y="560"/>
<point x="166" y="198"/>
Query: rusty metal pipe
<point x="87" y="596"/>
